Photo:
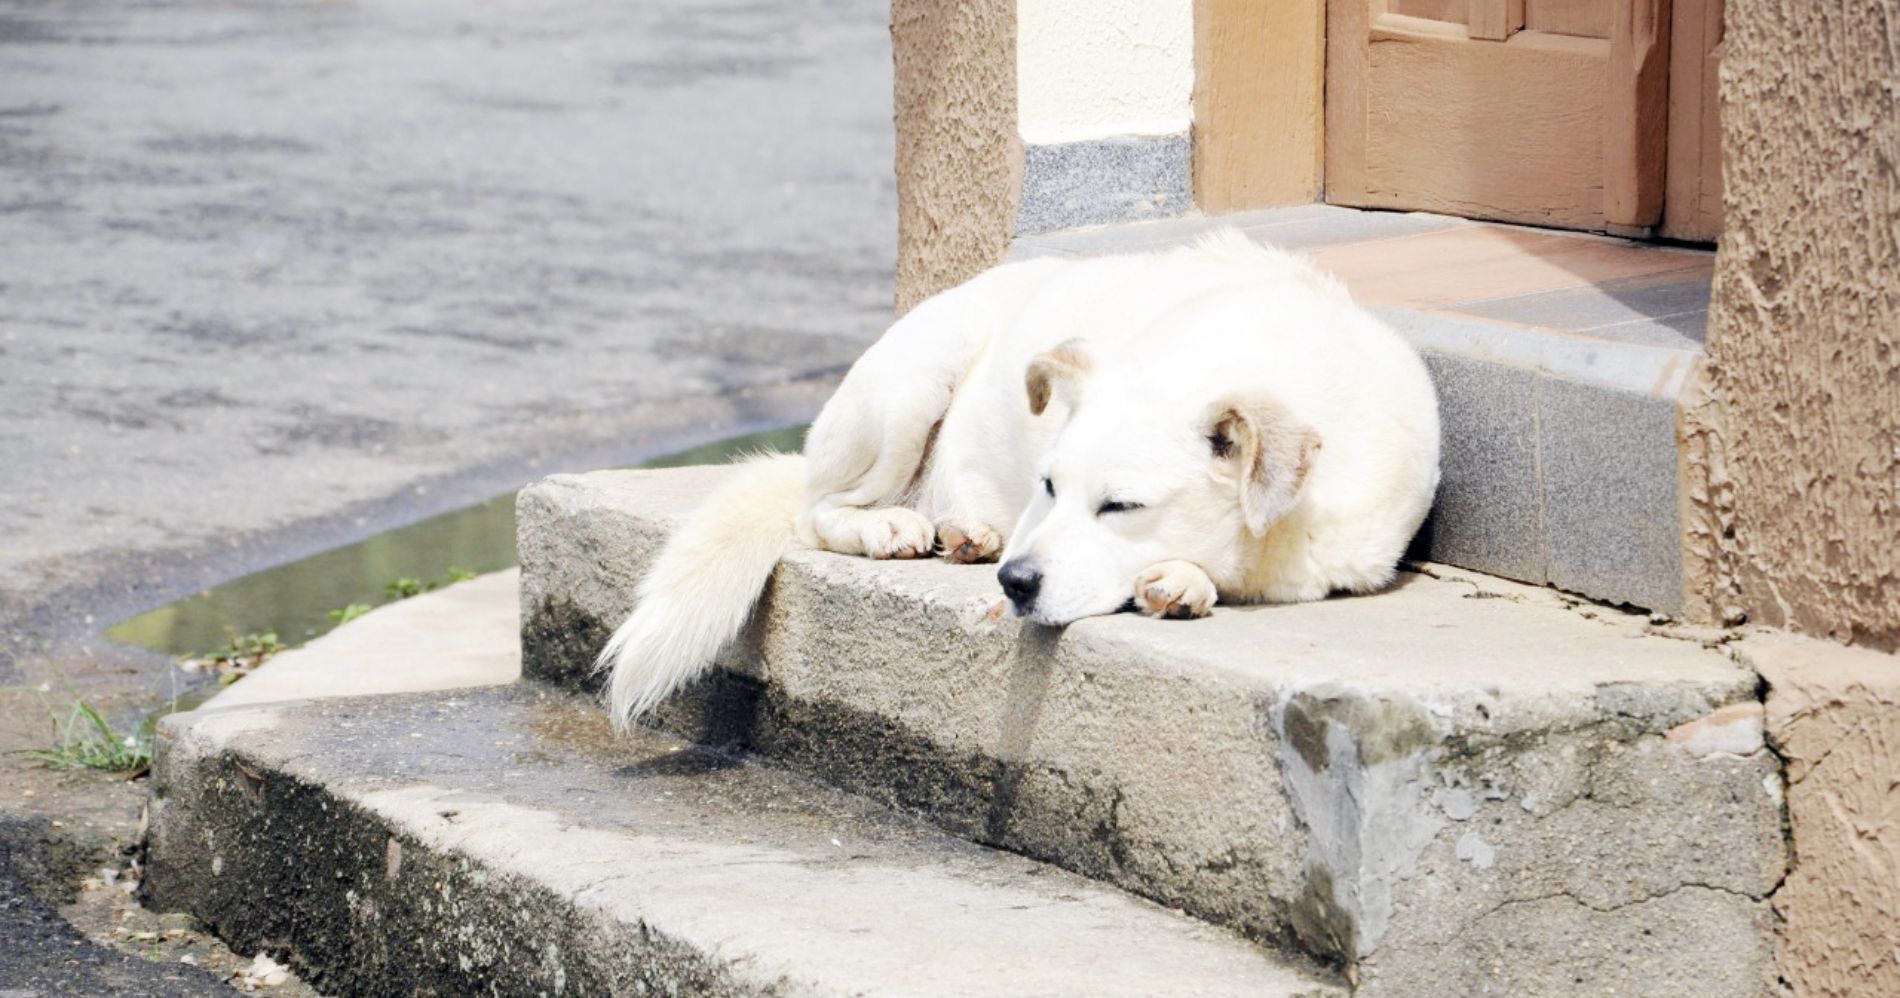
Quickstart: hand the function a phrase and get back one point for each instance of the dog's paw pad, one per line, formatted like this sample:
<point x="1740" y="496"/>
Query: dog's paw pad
<point x="1175" y="590"/>
<point x="968" y="543"/>
<point x="898" y="533"/>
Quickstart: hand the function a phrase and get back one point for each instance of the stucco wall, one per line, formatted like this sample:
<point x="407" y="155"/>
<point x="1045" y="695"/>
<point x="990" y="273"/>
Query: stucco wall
<point x="959" y="162"/>
<point x="1104" y="68"/>
<point x="1833" y="714"/>
<point x="1803" y="474"/>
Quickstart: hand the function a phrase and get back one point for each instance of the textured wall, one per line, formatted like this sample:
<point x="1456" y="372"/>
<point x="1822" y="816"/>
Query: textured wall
<point x="1834" y="716"/>
<point x="959" y="162"/>
<point x="1805" y="329"/>
<point x="1110" y="67"/>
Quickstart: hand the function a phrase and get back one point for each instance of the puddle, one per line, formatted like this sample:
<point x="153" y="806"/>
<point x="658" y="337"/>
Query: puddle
<point x="294" y="600"/>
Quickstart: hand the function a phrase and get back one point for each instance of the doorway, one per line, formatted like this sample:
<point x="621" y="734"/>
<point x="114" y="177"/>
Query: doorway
<point x="1597" y="115"/>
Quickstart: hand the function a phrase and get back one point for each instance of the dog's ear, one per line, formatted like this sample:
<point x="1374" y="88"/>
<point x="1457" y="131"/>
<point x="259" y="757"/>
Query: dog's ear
<point x="1057" y="373"/>
<point x="1272" y="452"/>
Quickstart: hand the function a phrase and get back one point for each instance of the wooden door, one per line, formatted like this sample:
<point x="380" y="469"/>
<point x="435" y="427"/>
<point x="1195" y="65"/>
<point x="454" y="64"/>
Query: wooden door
<point x="1692" y="203"/>
<point x="1546" y="112"/>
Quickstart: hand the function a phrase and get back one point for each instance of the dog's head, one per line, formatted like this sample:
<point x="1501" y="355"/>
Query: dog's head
<point x="1150" y="467"/>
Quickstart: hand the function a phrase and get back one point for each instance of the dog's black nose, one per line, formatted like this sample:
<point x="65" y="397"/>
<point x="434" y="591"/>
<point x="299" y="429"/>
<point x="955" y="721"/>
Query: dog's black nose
<point x="1020" y="583"/>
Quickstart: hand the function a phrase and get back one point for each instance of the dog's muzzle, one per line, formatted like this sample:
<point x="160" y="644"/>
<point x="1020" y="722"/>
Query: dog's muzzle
<point x="1021" y="583"/>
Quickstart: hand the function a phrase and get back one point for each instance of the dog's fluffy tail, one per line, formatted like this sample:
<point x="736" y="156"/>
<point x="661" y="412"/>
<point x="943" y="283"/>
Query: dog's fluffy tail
<point x="699" y="591"/>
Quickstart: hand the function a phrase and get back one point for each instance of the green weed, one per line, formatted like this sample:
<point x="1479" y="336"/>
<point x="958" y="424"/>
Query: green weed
<point x="349" y="613"/>
<point x="244" y="653"/>
<point x="406" y="587"/>
<point x="85" y="740"/>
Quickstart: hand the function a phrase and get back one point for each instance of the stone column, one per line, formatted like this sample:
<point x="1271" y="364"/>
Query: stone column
<point x="959" y="161"/>
<point x="1799" y="485"/>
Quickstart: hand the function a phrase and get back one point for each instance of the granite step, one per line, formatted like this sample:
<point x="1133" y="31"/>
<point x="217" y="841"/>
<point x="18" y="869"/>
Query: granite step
<point x="501" y="840"/>
<point x="1460" y="786"/>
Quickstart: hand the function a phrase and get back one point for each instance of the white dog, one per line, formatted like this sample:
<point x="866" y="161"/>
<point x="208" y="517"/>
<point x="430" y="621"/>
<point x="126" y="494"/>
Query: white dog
<point x="1158" y="431"/>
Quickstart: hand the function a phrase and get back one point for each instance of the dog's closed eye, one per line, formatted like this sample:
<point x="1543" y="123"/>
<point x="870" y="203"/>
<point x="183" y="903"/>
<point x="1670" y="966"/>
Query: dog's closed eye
<point x="1116" y="506"/>
<point x="1049" y="486"/>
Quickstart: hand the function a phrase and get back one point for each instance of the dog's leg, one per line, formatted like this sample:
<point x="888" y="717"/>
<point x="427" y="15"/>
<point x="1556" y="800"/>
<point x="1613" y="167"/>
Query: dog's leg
<point x="978" y="482"/>
<point x="868" y="452"/>
<point x="855" y="511"/>
<point x="867" y="448"/>
<point x="965" y="496"/>
<point x="877" y="532"/>
<point x="968" y="542"/>
<point x="1175" y="589"/>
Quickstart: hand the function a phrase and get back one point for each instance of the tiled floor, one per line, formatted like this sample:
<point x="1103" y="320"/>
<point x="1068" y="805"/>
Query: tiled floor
<point x="1599" y="286"/>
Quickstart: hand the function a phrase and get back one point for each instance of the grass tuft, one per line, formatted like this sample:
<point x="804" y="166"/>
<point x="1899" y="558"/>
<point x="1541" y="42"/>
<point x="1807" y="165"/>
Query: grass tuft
<point x="85" y="740"/>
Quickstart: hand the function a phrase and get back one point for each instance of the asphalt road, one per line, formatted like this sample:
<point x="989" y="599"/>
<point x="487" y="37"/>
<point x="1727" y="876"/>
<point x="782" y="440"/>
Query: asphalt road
<point x="267" y="262"/>
<point x="276" y="274"/>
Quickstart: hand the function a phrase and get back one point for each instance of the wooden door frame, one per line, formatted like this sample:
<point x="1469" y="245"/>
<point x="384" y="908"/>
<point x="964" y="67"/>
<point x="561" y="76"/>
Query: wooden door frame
<point x="1269" y="130"/>
<point x="1259" y="103"/>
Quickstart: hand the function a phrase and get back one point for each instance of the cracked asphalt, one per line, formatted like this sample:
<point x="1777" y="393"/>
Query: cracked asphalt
<point x="277" y="274"/>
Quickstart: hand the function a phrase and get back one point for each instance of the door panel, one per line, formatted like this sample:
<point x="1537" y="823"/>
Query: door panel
<point x="1583" y="18"/>
<point x="1495" y="20"/>
<point x="1636" y="116"/>
<point x="1435" y="10"/>
<point x="1480" y="118"/>
<point x="1693" y="209"/>
<point x="1425" y="145"/>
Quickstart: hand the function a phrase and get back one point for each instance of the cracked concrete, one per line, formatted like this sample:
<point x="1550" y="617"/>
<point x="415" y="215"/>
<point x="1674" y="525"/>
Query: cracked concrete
<point x="503" y="839"/>
<point x="1833" y="715"/>
<point x="1359" y="779"/>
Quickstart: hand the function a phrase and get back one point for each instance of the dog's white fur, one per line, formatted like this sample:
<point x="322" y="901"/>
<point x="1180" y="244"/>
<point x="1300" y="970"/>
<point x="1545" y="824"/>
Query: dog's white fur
<point x="1273" y="442"/>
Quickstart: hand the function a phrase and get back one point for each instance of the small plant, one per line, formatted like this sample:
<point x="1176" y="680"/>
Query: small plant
<point x="349" y="613"/>
<point x="406" y="587"/>
<point x="244" y="653"/>
<point x="85" y="740"/>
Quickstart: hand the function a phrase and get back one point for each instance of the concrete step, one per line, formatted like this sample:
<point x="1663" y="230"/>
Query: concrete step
<point x="1461" y="786"/>
<point x="500" y="840"/>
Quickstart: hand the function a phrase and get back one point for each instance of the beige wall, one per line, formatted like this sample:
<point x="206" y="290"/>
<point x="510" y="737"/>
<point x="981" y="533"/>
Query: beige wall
<point x="1080" y="77"/>
<point x="1834" y="716"/>
<point x="959" y="161"/>
<point x="1793" y="459"/>
<point x="1802" y="476"/>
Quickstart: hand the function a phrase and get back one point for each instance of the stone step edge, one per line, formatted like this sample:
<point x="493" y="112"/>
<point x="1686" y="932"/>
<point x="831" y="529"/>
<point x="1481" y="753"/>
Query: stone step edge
<point x="372" y="884"/>
<point x="889" y="680"/>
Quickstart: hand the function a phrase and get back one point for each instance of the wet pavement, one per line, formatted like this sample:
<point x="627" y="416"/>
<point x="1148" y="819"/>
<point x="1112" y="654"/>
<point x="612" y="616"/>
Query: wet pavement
<point x="267" y="261"/>
<point x="276" y="275"/>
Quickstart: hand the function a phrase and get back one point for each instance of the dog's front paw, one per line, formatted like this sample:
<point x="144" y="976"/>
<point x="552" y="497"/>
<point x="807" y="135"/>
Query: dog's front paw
<point x="896" y="532"/>
<point x="1175" y="589"/>
<point x="968" y="543"/>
